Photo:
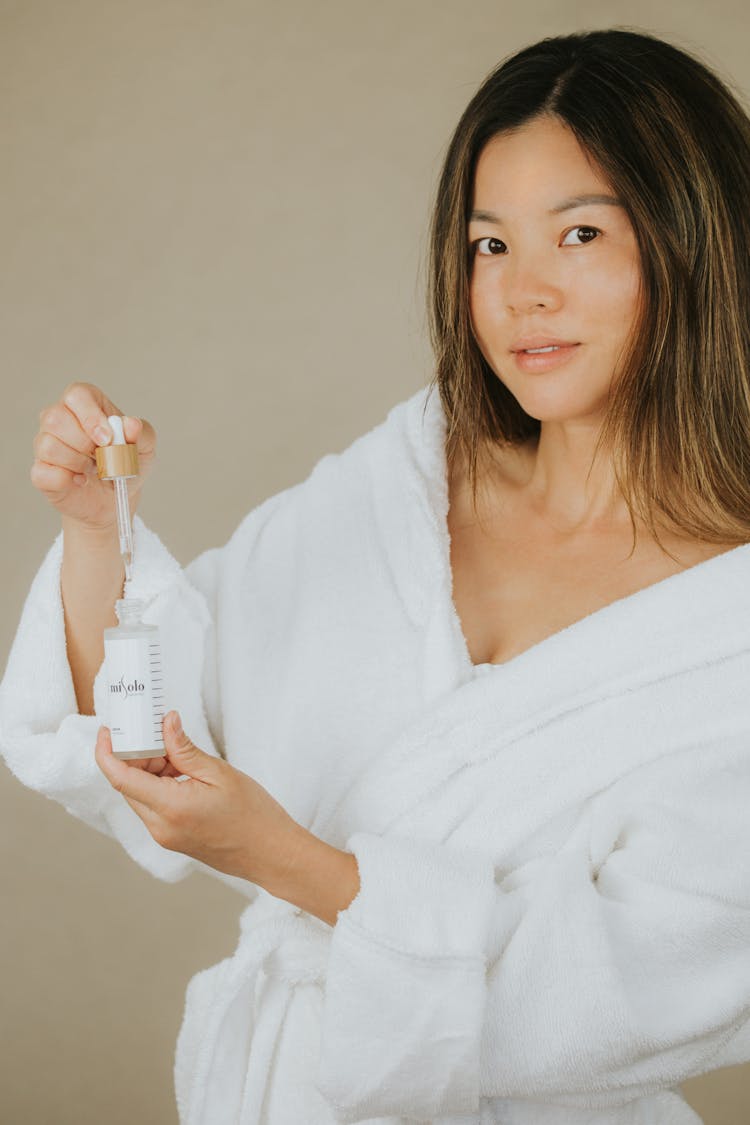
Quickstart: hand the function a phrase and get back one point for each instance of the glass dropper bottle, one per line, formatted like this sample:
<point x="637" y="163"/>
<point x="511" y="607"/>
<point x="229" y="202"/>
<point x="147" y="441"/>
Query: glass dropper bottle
<point x="118" y="462"/>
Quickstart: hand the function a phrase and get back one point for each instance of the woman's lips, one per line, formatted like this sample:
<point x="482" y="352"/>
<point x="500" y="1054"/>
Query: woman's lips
<point x="544" y="361"/>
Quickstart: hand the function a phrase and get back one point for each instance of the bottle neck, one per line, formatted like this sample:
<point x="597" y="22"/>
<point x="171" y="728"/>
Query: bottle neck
<point x="129" y="611"/>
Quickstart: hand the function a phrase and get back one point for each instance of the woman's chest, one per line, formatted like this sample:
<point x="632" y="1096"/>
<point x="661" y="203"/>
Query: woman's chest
<point x="513" y="588"/>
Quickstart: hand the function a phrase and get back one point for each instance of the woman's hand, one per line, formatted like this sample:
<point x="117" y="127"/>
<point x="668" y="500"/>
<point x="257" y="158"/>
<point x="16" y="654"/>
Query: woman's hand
<point x="194" y="803"/>
<point x="64" y="469"/>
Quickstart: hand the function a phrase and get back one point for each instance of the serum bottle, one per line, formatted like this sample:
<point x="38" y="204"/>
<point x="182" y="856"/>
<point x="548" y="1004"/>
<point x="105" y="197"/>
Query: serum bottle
<point x="135" y="683"/>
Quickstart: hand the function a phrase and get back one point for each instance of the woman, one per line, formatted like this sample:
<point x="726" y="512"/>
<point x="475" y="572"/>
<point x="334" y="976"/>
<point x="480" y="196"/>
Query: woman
<point x="490" y="661"/>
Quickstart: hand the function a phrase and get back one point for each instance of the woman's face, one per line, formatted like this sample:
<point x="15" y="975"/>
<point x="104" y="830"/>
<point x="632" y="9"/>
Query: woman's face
<point x="544" y="268"/>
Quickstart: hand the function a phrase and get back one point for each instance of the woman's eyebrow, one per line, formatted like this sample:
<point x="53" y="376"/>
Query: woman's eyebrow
<point x="565" y="205"/>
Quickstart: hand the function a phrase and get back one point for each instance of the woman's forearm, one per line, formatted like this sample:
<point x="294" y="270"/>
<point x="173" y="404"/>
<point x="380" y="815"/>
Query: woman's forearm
<point x="321" y="879"/>
<point x="91" y="579"/>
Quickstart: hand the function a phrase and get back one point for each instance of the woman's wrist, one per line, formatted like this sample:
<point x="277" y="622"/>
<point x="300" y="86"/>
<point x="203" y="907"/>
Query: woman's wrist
<point x="102" y="536"/>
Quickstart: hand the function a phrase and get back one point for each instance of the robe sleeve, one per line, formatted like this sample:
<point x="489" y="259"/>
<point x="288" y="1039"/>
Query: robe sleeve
<point x="615" y="967"/>
<point x="49" y="746"/>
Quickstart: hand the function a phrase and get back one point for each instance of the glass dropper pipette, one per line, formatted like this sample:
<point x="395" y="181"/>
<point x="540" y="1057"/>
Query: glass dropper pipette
<point x="118" y="462"/>
<point x="124" y="529"/>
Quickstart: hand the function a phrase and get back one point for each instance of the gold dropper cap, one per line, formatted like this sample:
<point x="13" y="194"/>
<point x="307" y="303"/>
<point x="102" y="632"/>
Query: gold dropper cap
<point x="118" y="459"/>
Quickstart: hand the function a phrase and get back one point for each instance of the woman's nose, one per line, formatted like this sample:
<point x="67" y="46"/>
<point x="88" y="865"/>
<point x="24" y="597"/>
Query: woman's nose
<point x="530" y="285"/>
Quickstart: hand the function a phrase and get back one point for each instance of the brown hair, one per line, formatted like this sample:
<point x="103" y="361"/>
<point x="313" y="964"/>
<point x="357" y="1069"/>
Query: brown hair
<point x="675" y="144"/>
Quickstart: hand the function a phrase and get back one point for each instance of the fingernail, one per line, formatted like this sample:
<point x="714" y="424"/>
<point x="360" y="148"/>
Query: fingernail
<point x="102" y="435"/>
<point x="176" y="724"/>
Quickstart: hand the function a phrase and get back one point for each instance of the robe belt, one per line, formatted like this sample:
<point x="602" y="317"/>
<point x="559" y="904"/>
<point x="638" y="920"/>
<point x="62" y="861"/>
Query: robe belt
<point x="298" y="960"/>
<point x="287" y="945"/>
<point x="283" y="940"/>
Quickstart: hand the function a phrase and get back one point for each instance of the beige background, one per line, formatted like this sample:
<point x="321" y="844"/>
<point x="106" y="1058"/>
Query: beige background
<point x="217" y="212"/>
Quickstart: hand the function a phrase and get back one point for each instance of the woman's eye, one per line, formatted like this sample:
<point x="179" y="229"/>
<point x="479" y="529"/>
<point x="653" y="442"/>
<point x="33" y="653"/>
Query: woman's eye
<point x="492" y="246"/>
<point x="591" y="230"/>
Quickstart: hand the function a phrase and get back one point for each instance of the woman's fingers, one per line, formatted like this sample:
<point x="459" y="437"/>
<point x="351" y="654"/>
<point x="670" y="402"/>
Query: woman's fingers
<point x="52" y="450"/>
<point x="88" y="409"/>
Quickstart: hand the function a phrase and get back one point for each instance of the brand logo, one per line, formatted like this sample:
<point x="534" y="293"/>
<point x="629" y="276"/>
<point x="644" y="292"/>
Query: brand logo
<point x="127" y="687"/>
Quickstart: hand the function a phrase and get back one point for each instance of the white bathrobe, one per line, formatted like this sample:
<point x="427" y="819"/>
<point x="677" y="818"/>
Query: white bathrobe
<point x="553" y="925"/>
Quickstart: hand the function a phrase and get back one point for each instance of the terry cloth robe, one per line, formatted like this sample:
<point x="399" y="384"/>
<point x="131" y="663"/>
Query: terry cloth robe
<point x="553" y="923"/>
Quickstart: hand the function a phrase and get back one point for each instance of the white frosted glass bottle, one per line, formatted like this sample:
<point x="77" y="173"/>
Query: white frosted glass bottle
<point x="135" y="683"/>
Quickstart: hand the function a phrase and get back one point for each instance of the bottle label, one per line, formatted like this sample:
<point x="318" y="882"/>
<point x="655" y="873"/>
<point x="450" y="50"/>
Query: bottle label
<point x="135" y="693"/>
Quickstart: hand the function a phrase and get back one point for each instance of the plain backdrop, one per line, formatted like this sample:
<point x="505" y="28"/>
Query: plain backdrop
<point x="218" y="213"/>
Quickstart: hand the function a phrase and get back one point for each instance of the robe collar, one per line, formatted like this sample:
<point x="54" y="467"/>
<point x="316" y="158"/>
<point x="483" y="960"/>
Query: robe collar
<point x="697" y="616"/>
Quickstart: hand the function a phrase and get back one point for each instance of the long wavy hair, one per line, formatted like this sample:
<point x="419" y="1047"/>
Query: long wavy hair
<point x="674" y="142"/>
